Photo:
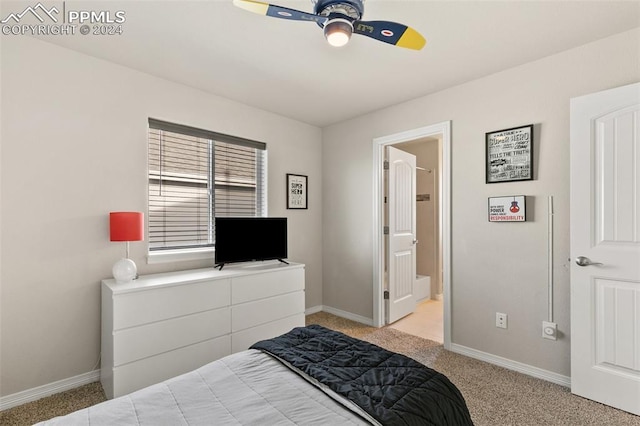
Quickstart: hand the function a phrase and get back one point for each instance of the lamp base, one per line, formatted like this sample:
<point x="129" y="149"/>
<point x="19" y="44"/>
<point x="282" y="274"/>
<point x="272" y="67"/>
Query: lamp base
<point x="124" y="270"/>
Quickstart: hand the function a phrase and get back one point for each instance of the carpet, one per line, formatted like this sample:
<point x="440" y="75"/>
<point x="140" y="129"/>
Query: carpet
<point x="495" y="396"/>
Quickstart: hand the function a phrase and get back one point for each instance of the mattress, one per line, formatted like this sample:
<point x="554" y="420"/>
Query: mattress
<point x="246" y="388"/>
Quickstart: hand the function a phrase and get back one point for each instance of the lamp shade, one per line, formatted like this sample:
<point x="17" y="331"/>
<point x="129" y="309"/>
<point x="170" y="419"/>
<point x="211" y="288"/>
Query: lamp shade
<point x="126" y="226"/>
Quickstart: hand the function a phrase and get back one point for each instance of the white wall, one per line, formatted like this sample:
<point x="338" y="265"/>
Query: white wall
<point x="495" y="266"/>
<point x="74" y="148"/>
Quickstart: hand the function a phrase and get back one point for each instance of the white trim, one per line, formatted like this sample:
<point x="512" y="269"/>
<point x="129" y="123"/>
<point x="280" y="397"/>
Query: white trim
<point x="445" y="230"/>
<point x="527" y="369"/>
<point x="443" y="129"/>
<point x="39" y="392"/>
<point x="313" y="310"/>
<point x="163" y="256"/>
<point x="378" y="238"/>
<point x="348" y="315"/>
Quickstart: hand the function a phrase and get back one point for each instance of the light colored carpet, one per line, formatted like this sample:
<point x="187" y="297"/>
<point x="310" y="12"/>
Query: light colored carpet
<point x="53" y="406"/>
<point x="495" y="396"/>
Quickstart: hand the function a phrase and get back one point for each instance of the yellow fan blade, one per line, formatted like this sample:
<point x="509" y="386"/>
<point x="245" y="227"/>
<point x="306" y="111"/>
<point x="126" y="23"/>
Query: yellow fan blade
<point x="411" y="39"/>
<point x="252" y="6"/>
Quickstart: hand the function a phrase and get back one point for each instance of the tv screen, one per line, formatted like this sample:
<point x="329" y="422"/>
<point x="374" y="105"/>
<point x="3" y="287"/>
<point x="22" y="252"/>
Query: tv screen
<point x="244" y="239"/>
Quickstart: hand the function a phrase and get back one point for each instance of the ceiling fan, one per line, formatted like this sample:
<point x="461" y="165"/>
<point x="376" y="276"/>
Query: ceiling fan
<point x="340" y="19"/>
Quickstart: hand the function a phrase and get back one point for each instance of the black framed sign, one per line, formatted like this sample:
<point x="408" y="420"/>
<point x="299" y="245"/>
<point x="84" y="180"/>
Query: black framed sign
<point x="297" y="195"/>
<point x="509" y="154"/>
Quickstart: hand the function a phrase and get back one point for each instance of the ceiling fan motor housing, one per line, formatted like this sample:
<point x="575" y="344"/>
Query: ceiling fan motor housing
<point x="350" y="10"/>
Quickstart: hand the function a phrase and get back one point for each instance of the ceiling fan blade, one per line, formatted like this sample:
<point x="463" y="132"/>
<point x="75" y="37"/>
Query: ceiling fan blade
<point x="277" y="11"/>
<point x="390" y="32"/>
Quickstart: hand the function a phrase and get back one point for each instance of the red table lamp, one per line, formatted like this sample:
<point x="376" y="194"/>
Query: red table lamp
<point x="126" y="226"/>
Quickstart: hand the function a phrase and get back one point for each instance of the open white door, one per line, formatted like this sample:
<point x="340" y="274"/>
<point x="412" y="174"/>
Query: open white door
<point x="605" y="247"/>
<point x="401" y="256"/>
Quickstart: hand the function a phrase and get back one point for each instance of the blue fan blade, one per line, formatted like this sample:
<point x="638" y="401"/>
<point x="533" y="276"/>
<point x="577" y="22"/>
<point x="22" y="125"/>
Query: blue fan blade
<point x="296" y="15"/>
<point x="390" y="32"/>
<point x="278" y="11"/>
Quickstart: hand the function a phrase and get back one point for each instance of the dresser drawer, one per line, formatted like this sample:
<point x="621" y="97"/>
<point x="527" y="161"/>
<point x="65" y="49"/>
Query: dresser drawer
<point x="241" y="340"/>
<point x="148" y="371"/>
<point x="142" y="307"/>
<point x="253" y="287"/>
<point x="261" y="311"/>
<point x="132" y="344"/>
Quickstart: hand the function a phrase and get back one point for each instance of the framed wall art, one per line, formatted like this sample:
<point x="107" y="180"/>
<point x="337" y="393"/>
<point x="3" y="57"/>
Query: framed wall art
<point x="507" y="209"/>
<point x="509" y="154"/>
<point x="297" y="195"/>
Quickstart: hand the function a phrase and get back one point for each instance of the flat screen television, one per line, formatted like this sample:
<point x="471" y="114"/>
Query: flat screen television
<point x="245" y="239"/>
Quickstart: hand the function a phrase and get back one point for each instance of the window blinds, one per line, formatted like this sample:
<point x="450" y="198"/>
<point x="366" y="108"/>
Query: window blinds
<point x="195" y="175"/>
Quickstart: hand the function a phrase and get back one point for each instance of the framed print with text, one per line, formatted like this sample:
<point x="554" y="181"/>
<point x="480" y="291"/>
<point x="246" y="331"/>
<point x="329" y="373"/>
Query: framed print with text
<point x="507" y="209"/>
<point x="297" y="195"/>
<point x="509" y="154"/>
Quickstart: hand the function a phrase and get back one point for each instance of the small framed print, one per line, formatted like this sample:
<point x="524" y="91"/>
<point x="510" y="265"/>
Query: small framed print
<point x="507" y="209"/>
<point x="297" y="195"/>
<point x="509" y="154"/>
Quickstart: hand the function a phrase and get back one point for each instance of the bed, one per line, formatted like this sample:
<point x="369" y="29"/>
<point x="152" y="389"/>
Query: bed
<point x="309" y="376"/>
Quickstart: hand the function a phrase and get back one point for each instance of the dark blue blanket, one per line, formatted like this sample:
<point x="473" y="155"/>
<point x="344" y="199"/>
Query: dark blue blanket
<point x="390" y="387"/>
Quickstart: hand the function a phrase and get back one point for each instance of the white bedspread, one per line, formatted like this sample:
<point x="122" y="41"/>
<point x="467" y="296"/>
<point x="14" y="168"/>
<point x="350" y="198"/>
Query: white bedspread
<point x="246" y="388"/>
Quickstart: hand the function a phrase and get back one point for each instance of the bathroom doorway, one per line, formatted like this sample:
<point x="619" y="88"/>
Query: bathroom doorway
<point x="431" y="145"/>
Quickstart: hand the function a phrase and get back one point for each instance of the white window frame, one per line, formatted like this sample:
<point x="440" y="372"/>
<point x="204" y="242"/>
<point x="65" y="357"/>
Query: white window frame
<point x="203" y="253"/>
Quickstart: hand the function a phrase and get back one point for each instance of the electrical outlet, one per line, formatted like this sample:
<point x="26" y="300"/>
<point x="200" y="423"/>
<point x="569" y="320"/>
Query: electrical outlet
<point x="549" y="330"/>
<point x="501" y="320"/>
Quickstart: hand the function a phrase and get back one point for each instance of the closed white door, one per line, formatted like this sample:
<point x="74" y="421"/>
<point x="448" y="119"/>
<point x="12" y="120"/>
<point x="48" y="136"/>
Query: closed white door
<point x="402" y="231"/>
<point x="605" y="247"/>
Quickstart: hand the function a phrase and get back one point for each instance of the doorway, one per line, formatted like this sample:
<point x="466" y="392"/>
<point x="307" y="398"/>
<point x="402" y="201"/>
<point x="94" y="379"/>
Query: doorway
<point x="440" y="265"/>
<point x="426" y="320"/>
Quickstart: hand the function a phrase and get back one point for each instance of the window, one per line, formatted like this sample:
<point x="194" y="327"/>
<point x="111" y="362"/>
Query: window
<point x="195" y="175"/>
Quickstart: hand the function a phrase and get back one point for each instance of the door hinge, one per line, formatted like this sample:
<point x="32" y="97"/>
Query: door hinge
<point x="385" y="230"/>
<point x="385" y="165"/>
<point x="386" y="295"/>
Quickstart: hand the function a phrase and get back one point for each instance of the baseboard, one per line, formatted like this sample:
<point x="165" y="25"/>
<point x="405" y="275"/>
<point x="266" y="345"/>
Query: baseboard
<point x="39" y="392"/>
<point x="313" y="310"/>
<point x="348" y="315"/>
<point x="529" y="370"/>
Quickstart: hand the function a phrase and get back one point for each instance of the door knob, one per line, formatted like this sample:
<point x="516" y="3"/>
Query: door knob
<point x="415" y="241"/>
<point x="585" y="261"/>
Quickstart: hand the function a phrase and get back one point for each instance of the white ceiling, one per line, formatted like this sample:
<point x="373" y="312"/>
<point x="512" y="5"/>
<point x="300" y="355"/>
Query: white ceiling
<point x="287" y="67"/>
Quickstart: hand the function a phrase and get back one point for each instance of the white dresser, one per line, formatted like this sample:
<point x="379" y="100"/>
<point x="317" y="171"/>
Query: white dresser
<point x="162" y="325"/>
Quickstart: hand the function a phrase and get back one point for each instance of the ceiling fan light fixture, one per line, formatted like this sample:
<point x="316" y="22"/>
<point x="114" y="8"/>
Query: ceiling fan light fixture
<point x="338" y="31"/>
